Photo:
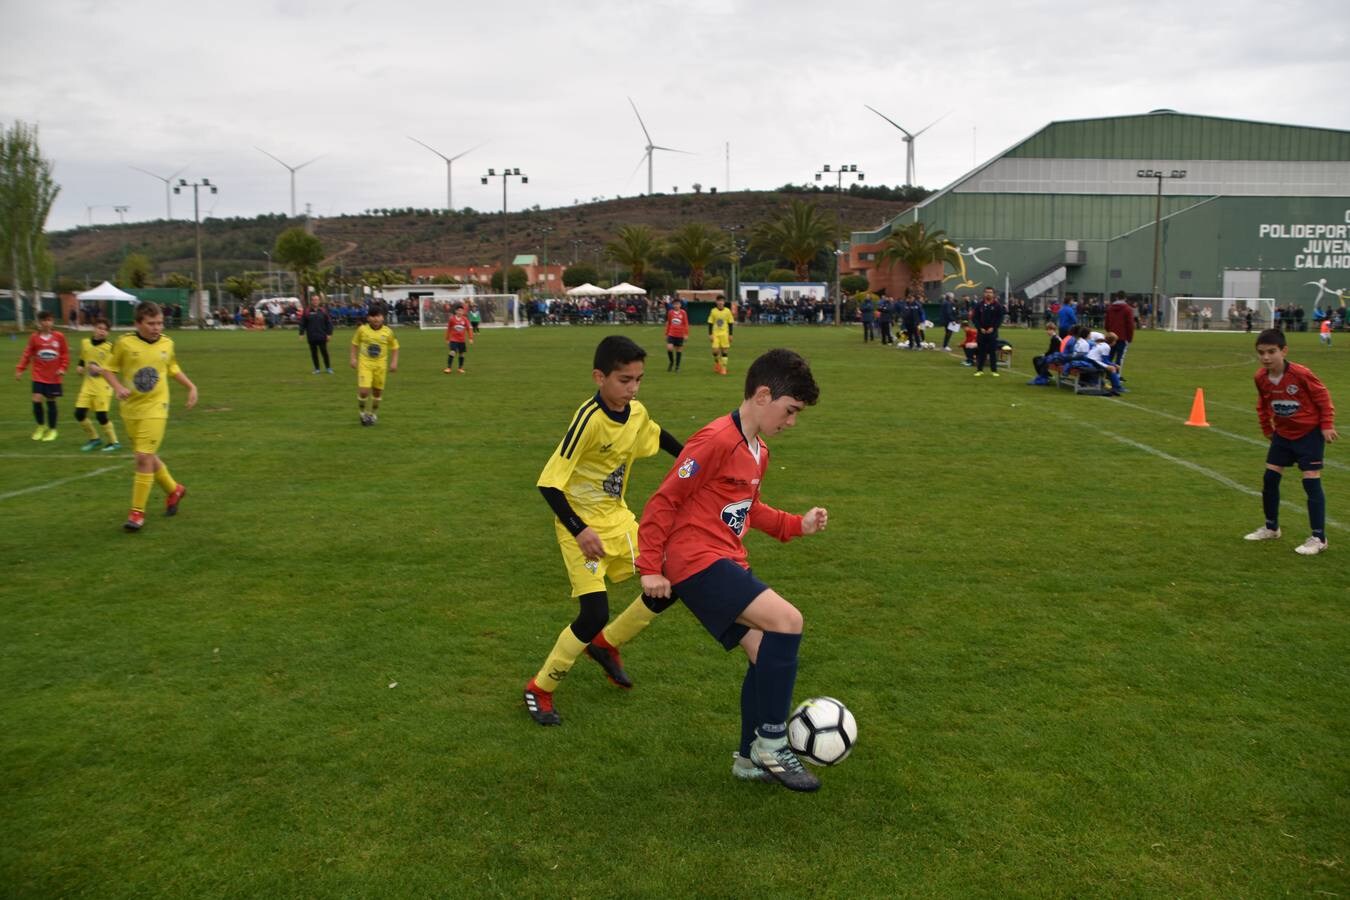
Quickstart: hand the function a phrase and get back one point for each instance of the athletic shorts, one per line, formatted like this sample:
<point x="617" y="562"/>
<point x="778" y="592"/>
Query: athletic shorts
<point x="458" y="347"/>
<point x="50" y="391"/>
<point x="721" y="341"/>
<point x="675" y="341"/>
<point x="1307" y="451"/>
<point x="717" y="596"/>
<point x="588" y="576"/>
<point x="371" y="377"/>
<point x="145" y="435"/>
<point x="97" y="400"/>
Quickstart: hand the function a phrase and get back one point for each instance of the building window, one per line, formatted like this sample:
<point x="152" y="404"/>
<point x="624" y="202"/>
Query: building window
<point x="1115" y="273"/>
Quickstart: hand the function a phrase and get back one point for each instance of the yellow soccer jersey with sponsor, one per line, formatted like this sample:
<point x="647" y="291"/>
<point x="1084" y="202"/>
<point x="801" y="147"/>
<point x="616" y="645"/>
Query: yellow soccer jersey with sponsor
<point x="595" y="457"/>
<point x="144" y="368"/>
<point x="100" y="355"/>
<point x="721" y="320"/>
<point x="374" y="346"/>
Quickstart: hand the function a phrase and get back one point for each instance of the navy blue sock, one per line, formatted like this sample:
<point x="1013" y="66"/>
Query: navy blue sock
<point x="777" y="673"/>
<point x="1317" y="507"/>
<point x="37" y="412"/>
<point x="51" y="413"/>
<point x="1270" y="498"/>
<point x="749" y="720"/>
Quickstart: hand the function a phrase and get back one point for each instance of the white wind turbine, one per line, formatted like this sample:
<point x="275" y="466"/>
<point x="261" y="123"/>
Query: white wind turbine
<point x="293" y="170"/>
<point x="449" y="162"/>
<point x="167" y="179"/>
<point x="909" y="142"/>
<point x="650" y="146"/>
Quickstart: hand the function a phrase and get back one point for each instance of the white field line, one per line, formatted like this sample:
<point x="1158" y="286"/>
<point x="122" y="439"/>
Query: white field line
<point x="57" y="483"/>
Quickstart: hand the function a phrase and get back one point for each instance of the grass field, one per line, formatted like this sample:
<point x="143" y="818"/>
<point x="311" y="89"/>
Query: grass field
<point x="1072" y="676"/>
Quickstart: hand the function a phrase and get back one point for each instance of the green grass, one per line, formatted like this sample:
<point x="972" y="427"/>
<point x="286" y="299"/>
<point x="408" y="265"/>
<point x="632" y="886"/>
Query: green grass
<point x="1071" y="675"/>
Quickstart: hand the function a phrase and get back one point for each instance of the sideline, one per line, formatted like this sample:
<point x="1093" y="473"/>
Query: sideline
<point x="57" y="483"/>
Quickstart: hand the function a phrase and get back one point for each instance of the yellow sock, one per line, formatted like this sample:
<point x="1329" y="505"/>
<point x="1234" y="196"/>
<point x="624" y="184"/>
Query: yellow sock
<point x="559" y="662"/>
<point x="140" y="490"/>
<point x="164" y="479"/>
<point x="110" y="432"/>
<point x="629" y="623"/>
<point x="88" y="429"/>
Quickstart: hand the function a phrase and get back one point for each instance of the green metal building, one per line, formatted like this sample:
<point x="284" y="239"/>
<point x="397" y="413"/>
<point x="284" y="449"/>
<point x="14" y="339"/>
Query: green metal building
<point x="1248" y="209"/>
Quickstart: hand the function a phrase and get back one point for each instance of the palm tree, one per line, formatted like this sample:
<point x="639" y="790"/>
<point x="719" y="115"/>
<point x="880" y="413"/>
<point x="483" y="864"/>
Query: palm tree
<point x="917" y="247"/>
<point x="698" y="245"/>
<point x="798" y="236"/>
<point x="634" y="246"/>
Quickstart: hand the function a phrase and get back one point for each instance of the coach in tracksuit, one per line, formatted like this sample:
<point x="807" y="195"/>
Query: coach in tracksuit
<point x="986" y="317"/>
<point x="317" y="327"/>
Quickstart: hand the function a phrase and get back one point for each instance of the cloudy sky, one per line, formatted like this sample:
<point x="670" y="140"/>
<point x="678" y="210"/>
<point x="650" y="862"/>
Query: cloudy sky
<point x="543" y="87"/>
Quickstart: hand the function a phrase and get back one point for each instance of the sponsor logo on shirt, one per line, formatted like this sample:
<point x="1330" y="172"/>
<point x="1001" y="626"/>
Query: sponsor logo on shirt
<point x="734" y="515"/>
<point x="145" y="379"/>
<point x="1284" y="408"/>
<point x="613" y="484"/>
<point x="688" y="468"/>
<point x="47" y="354"/>
<point x="373" y="351"/>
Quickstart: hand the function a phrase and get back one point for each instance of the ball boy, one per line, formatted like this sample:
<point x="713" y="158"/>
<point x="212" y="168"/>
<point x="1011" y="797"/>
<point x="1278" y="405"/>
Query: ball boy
<point x="50" y="357"/>
<point x="374" y="354"/>
<point x="1295" y="412"/>
<point x="95" y="392"/>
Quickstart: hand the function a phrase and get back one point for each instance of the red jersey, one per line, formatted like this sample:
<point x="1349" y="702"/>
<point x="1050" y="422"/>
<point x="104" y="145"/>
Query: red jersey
<point x="1294" y="405"/>
<point x="458" y="329"/>
<point x="49" y="356"/>
<point x="677" y="323"/>
<point x="700" y="512"/>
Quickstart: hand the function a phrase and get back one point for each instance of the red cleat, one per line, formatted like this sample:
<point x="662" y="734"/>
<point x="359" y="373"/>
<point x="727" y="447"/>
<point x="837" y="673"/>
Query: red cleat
<point x="171" y="502"/>
<point x="135" y="521"/>
<point x="539" y="704"/>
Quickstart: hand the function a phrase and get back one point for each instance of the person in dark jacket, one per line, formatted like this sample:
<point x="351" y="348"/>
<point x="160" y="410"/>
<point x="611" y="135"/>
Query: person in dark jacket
<point x="987" y="316"/>
<point x="317" y="327"/>
<point x="947" y="317"/>
<point x="1120" y="320"/>
<point x="884" y="316"/>
<point x="867" y="307"/>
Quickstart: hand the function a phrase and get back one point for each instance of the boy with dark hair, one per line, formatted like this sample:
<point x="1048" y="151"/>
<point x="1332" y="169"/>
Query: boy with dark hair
<point x="677" y="329"/>
<point x="692" y="550"/>
<point x="378" y="352"/>
<point x="95" y="392"/>
<point x="47" y="351"/>
<point x="146" y="361"/>
<point x="584" y="484"/>
<point x="458" y="336"/>
<point x="1296" y="414"/>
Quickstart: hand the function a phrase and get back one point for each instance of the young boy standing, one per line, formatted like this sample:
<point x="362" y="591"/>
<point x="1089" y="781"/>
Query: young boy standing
<point x="1296" y="414"/>
<point x="95" y="392"/>
<point x="677" y="329"/>
<point x="139" y="372"/>
<point x="691" y="549"/>
<point x="458" y="335"/>
<point x="721" y="322"/>
<point x="377" y="348"/>
<point x="47" y="351"/>
<point x="584" y="484"/>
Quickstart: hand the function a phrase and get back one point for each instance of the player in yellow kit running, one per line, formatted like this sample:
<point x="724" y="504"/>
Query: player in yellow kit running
<point x="95" y="392"/>
<point x="374" y="354"/>
<point x="721" y="321"/>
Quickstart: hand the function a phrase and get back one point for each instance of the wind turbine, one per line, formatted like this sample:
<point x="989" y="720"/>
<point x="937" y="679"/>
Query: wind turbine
<point x="449" y="206"/>
<point x="293" y="170"/>
<point x="909" y="142"/>
<point x="168" y="209"/>
<point x="650" y="146"/>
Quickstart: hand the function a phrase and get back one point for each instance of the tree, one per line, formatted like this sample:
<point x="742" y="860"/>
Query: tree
<point x="634" y="246"/>
<point x="798" y="235"/>
<point x="242" y="287"/>
<point x="299" y="251"/>
<point x="136" y="271"/>
<point x="778" y="275"/>
<point x="27" y="192"/>
<point x="517" y="281"/>
<point x="916" y="248"/>
<point x="698" y="245"/>
<point x="579" y="274"/>
<point x="180" y="281"/>
<point x="852" y="284"/>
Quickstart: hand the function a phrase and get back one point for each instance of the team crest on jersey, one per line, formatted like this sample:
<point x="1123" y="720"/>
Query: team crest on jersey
<point x="373" y="351"/>
<point x="613" y="485"/>
<point x="47" y="354"/>
<point x="1291" y="390"/>
<point x="1284" y="408"/>
<point x="734" y="515"/>
<point x="145" y="379"/>
<point x="688" y="468"/>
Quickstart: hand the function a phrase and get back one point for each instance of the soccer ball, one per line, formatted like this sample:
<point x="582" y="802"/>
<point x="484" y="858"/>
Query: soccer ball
<point x="822" y="731"/>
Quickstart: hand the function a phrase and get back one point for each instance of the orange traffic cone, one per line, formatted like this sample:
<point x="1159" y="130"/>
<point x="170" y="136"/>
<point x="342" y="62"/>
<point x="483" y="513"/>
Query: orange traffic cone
<point x="1198" y="410"/>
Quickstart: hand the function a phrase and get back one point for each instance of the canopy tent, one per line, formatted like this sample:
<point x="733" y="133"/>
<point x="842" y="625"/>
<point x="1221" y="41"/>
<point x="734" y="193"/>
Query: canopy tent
<point x="111" y="295"/>
<point x="587" y="290"/>
<point x="107" y="291"/>
<point x="625" y="288"/>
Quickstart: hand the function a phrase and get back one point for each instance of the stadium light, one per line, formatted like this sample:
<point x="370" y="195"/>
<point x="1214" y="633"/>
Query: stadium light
<point x="1157" y="230"/>
<point x="121" y="213"/>
<point x="196" y="306"/>
<point x="838" y="173"/>
<point x="505" y="175"/>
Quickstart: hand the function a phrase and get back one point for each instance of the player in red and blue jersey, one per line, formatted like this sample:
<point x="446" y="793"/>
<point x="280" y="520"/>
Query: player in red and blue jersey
<point x="46" y="350"/>
<point x="677" y="329"/>
<point x="690" y="548"/>
<point x="458" y="336"/>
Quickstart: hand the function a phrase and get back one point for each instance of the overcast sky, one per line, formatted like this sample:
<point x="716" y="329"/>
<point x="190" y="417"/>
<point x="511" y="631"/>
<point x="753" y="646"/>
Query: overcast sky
<point x="163" y="85"/>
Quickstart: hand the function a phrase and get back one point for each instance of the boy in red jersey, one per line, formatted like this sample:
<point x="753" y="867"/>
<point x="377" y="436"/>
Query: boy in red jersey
<point x="1296" y="414"/>
<point x="690" y="548"/>
<point x="47" y="351"/>
<point x="677" y="329"/>
<point x="458" y="335"/>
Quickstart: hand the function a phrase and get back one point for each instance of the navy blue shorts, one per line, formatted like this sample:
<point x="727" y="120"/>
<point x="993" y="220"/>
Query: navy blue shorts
<point x="1307" y="451"/>
<point x="50" y="391"/>
<point x="674" y="341"/>
<point x="459" y="347"/>
<point x="717" y="596"/>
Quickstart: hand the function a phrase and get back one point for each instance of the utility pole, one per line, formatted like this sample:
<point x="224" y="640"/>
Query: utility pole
<point x="196" y="308"/>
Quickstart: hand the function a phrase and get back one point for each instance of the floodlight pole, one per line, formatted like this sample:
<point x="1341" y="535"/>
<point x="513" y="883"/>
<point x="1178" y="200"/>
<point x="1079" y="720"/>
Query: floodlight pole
<point x="506" y="175"/>
<point x="121" y="213"/>
<point x="198" y="310"/>
<point x="1157" y="231"/>
<point x="851" y="169"/>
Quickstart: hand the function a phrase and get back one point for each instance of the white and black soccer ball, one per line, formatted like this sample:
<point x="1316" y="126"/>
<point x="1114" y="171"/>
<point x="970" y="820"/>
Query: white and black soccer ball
<point x="822" y="731"/>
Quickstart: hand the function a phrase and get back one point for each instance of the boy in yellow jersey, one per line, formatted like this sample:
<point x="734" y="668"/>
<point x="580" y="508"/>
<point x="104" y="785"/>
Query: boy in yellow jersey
<point x="721" y="321"/>
<point x="374" y="354"/>
<point x="139" y="371"/>
<point x="584" y="484"/>
<point x="95" y="392"/>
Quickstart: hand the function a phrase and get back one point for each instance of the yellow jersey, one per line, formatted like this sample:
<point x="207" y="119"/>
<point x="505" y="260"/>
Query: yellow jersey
<point x="595" y="457"/>
<point x="100" y="355"/>
<point x="144" y="368"/>
<point x="721" y="320"/>
<point x="375" y="345"/>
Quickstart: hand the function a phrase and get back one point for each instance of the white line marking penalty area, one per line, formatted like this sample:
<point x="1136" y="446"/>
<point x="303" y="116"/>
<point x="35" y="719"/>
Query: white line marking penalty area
<point x="57" y="483"/>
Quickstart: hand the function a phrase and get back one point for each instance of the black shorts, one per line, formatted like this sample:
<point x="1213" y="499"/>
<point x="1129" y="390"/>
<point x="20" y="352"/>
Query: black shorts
<point x="458" y="347"/>
<point x="50" y="391"/>
<point x="717" y="596"/>
<point x="1307" y="451"/>
<point x="674" y="341"/>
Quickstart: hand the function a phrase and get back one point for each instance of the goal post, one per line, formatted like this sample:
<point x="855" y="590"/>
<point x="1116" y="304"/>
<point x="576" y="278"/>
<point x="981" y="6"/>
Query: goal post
<point x="497" y="310"/>
<point x="1219" y="313"/>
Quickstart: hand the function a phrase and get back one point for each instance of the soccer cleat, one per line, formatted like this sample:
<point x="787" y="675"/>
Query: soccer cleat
<point x="114" y="446"/>
<point x="50" y="435"/>
<point x="461" y="371"/>
<point x="1311" y="547"/>
<point x="91" y="444"/>
<point x="611" y="662"/>
<point x="374" y="418"/>
<point x="747" y="769"/>
<point x="539" y="704"/>
<point x="777" y="758"/>
<point x="39" y="432"/>
<point x="980" y="373"/>
<point x="328" y="371"/>
<point x="171" y="502"/>
<point x="135" y="521"/>
<point x="315" y="372"/>
<point x="1263" y="534"/>
<point x="995" y="374"/>
<point x="447" y="371"/>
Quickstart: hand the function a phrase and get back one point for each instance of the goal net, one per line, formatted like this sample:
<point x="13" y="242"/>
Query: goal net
<point x="496" y="310"/>
<point x="1219" y="313"/>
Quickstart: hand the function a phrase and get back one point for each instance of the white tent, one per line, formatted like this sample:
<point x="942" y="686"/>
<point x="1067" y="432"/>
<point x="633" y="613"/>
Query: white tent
<point x="587" y="290"/>
<point x="108" y="291"/>
<point x="625" y="288"/>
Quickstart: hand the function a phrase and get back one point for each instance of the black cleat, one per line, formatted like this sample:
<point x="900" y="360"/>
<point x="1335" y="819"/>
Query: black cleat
<point x="539" y="704"/>
<point x="611" y="662"/>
